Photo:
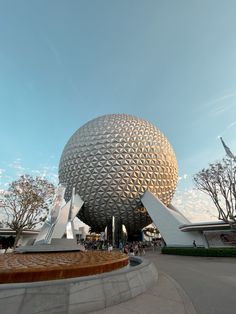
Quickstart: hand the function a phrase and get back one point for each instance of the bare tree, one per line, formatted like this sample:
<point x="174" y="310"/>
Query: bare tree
<point x="219" y="182"/>
<point x="26" y="203"/>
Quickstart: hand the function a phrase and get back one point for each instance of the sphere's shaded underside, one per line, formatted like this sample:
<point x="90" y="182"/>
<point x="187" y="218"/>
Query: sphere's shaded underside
<point x="111" y="161"/>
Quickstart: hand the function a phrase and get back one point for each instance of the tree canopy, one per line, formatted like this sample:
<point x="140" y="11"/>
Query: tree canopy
<point x="219" y="182"/>
<point x="26" y="203"/>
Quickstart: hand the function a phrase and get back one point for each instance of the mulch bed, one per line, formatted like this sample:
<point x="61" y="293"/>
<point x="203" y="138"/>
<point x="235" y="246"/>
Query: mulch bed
<point x="15" y="268"/>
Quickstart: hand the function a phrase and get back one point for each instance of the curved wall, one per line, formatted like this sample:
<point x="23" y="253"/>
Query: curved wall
<point x="78" y="295"/>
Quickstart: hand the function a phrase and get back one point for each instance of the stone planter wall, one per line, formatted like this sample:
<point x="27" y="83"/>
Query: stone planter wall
<point x="78" y="295"/>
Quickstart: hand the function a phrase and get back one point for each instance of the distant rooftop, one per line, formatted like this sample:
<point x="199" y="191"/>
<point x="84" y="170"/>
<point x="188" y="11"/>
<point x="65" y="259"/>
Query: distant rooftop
<point x="202" y="226"/>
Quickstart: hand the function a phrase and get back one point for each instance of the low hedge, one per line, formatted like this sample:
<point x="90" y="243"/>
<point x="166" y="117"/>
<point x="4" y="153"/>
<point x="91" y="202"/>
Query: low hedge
<point x="213" y="252"/>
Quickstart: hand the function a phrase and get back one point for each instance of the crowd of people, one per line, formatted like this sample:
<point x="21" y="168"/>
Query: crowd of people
<point x="135" y="248"/>
<point x="139" y="248"/>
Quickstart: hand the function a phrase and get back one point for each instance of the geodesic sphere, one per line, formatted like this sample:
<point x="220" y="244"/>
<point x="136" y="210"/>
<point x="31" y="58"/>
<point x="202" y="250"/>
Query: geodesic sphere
<point x="111" y="161"/>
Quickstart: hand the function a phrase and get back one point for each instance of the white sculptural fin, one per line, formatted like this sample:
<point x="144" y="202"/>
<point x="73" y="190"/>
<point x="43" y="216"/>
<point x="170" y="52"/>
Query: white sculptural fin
<point x="58" y="202"/>
<point x="60" y="215"/>
<point x="168" y="220"/>
<point x="47" y="228"/>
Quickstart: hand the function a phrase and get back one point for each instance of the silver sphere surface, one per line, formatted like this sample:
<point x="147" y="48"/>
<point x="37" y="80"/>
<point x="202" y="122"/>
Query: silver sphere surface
<point x="111" y="161"/>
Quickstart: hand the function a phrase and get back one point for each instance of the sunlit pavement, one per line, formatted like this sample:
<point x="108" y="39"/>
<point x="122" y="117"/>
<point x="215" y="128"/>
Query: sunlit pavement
<point x="203" y="285"/>
<point x="210" y="282"/>
<point x="165" y="297"/>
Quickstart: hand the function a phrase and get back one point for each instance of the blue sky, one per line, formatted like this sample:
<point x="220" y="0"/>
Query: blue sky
<point x="63" y="63"/>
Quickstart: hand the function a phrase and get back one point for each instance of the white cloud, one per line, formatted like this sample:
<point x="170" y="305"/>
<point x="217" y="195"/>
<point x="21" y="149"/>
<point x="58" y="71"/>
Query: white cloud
<point x="228" y="127"/>
<point x="183" y="177"/>
<point x="48" y="172"/>
<point x="16" y="169"/>
<point x="2" y="172"/>
<point x="17" y="166"/>
<point x="218" y="100"/>
<point x="219" y="105"/>
<point x="195" y="205"/>
<point x="221" y="108"/>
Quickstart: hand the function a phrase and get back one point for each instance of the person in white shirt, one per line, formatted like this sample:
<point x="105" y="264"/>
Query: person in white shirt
<point x="110" y="248"/>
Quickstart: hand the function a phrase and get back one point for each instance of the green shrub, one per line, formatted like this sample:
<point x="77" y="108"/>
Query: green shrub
<point x="213" y="252"/>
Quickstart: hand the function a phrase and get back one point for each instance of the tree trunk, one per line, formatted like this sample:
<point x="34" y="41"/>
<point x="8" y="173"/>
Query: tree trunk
<point x="17" y="238"/>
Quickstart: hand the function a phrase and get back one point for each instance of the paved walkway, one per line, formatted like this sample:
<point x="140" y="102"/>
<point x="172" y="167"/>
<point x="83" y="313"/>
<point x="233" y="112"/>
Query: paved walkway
<point x="186" y="285"/>
<point x="210" y="282"/>
<point x="166" y="297"/>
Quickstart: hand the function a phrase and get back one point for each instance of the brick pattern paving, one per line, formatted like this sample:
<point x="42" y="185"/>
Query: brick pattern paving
<point x="50" y="266"/>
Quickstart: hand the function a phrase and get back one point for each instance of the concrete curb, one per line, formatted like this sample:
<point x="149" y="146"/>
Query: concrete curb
<point x="165" y="297"/>
<point x="78" y="295"/>
<point x="188" y="305"/>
